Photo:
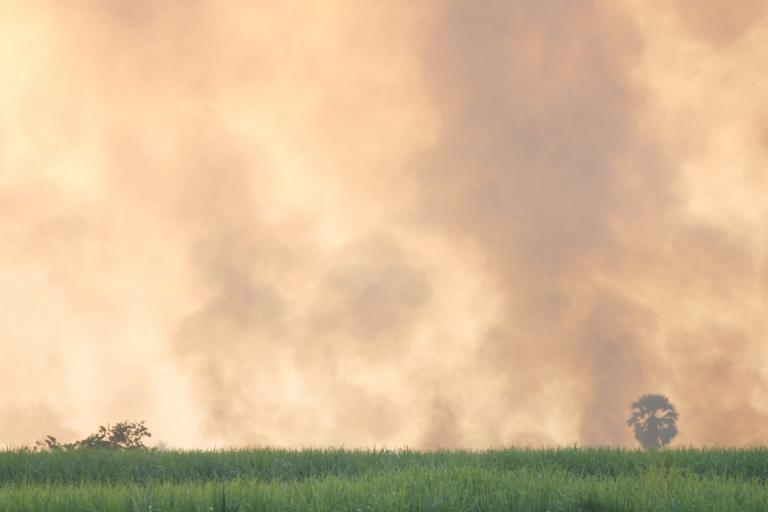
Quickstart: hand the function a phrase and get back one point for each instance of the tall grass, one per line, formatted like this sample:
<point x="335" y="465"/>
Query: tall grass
<point x="572" y="479"/>
<point x="418" y="489"/>
<point x="143" y="466"/>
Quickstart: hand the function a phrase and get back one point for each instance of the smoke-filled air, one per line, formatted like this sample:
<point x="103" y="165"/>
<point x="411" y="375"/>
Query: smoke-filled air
<point x="434" y="224"/>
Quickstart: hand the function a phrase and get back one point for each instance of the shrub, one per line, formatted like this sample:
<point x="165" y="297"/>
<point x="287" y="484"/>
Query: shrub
<point x="124" y="435"/>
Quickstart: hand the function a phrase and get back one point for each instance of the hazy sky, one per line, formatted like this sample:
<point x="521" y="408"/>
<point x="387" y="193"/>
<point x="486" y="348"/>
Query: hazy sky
<point x="437" y="224"/>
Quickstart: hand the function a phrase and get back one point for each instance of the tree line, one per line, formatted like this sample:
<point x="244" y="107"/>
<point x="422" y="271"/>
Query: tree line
<point x="652" y="417"/>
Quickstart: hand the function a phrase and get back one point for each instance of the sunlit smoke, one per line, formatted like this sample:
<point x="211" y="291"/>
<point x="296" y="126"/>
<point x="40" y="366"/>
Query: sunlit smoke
<point x="441" y="224"/>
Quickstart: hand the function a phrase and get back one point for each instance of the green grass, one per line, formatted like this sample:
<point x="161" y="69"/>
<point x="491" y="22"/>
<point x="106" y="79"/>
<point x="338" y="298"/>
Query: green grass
<point x="244" y="480"/>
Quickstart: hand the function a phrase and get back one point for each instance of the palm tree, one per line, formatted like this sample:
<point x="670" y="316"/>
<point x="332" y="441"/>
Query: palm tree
<point x="653" y="419"/>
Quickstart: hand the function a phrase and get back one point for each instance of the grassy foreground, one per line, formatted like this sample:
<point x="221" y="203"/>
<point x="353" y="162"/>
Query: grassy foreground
<point x="337" y="480"/>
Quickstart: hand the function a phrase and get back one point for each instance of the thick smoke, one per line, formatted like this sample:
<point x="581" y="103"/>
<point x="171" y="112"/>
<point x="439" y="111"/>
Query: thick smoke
<point x="537" y="107"/>
<point x="720" y="22"/>
<point x="382" y="223"/>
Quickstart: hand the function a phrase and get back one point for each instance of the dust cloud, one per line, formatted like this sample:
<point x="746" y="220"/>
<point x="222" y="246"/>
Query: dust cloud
<point x="433" y="224"/>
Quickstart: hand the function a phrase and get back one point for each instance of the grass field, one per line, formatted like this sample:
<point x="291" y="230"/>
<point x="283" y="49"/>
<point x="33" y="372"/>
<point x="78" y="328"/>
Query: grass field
<point x="574" y="479"/>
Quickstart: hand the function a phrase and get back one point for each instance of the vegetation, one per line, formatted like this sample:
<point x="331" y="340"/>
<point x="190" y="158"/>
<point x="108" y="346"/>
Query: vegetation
<point x="568" y="479"/>
<point x="124" y="435"/>
<point x="653" y="419"/>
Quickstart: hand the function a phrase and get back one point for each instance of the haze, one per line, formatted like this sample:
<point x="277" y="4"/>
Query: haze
<point x="361" y="223"/>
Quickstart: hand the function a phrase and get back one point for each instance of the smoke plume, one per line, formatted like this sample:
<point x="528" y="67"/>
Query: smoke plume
<point x="439" y="224"/>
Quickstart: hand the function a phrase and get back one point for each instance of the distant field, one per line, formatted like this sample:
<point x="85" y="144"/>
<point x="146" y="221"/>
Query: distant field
<point x="571" y="479"/>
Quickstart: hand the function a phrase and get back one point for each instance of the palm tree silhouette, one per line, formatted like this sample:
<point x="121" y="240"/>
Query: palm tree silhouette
<point x="653" y="419"/>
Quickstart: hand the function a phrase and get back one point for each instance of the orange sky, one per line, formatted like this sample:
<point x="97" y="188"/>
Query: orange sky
<point x="432" y="224"/>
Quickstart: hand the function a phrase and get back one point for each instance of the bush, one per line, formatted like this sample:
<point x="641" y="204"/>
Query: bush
<point x="124" y="435"/>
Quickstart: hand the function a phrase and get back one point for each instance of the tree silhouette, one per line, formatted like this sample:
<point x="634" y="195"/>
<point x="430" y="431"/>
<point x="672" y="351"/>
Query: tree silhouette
<point x="653" y="419"/>
<point x="124" y="435"/>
